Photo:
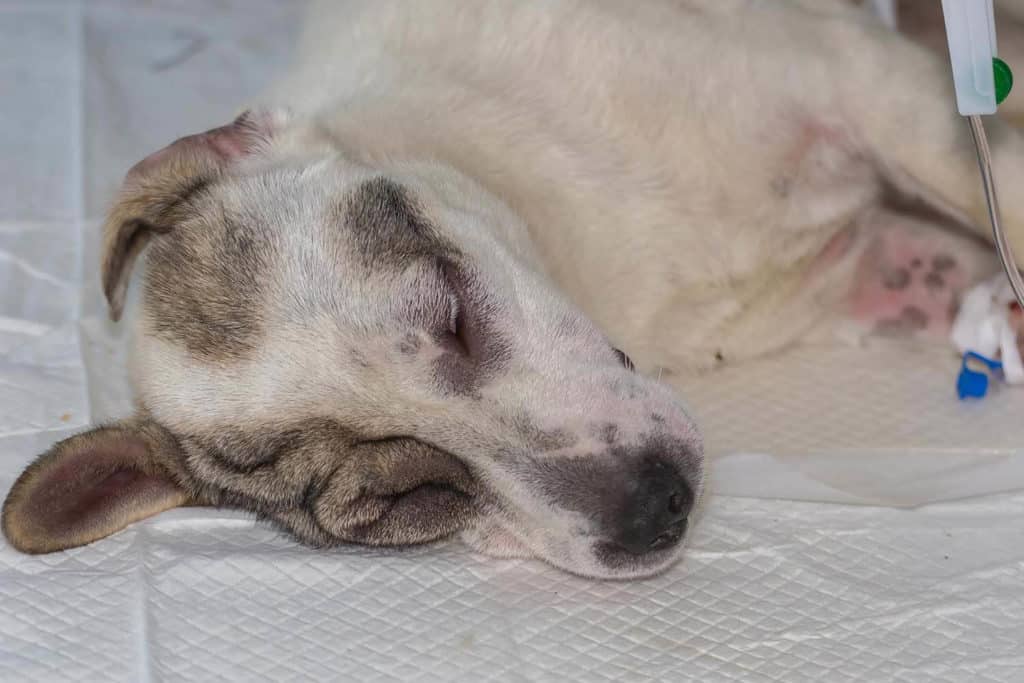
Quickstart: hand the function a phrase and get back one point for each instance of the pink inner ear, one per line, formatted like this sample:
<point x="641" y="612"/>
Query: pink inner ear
<point x="239" y="137"/>
<point x="90" y="491"/>
<point x="227" y="143"/>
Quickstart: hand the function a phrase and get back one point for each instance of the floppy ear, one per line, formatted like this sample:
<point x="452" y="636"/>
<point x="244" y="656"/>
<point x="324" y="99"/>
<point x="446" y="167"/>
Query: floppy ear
<point x="397" y="492"/>
<point x="156" y="190"/>
<point x="90" y="486"/>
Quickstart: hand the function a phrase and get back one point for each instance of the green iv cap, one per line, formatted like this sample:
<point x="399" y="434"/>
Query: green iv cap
<point x="1003" y="79"/>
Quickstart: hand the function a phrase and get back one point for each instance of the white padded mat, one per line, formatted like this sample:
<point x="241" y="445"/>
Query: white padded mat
<point x="771" y="590"/>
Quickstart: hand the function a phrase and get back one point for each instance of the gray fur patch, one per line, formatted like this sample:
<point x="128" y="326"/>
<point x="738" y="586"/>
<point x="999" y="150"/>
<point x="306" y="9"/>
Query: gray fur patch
<point x="593" y="485"/>
<point x="537" y="439"/>
<point x="481" y="351"/>
<point x="597" y="485"/>
<point x="388" y="228"/>
<point x="456" y="375"/>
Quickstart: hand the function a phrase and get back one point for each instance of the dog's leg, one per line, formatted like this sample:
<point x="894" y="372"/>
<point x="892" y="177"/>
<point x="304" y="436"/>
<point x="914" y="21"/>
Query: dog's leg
<point x="902" y="98"/>
<point x="911" y="275"/>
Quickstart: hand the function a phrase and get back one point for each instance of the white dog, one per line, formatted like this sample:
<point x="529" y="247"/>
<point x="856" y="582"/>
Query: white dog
<point x="385" y="305"/>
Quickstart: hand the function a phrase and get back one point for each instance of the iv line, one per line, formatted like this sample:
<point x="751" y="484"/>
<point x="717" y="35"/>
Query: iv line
<point x="1002" y="245"/>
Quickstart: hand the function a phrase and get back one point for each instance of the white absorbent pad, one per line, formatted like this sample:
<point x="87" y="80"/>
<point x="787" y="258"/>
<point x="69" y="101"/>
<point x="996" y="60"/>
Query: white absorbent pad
<point x="862" y="524"/>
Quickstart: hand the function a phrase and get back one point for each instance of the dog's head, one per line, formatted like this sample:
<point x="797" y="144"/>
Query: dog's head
<point x="362" y="354"/>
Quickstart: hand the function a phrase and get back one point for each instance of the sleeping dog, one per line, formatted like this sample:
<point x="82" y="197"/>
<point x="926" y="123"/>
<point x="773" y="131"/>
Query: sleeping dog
<point x="394" y="300"/>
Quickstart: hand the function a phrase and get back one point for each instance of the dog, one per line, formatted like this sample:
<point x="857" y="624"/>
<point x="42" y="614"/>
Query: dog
<point x="394" y="300"/>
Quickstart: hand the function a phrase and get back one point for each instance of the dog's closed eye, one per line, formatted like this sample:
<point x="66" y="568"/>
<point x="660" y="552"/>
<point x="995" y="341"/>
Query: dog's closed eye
<point x="455" y="336"/>
<point x="459" y="333"/>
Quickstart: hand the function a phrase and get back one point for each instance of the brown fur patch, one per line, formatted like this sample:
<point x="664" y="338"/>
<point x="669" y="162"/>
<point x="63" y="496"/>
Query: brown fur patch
<point x="269" y="464"/>
<point x="158" y="193"/>
<point x="144" y="210"/>
<point x="393" y="491"/>
<point x="324" y="484"/>
<point x="314" y="478"/>
<point x="205" y="281"/>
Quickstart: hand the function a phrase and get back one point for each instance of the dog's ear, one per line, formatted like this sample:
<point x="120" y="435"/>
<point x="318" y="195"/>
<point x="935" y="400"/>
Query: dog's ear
<point x="156" y="190"/>
<point x="397" y="492"/>
<point x="91" y="485"/>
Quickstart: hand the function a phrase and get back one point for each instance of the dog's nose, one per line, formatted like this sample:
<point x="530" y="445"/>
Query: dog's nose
<point x="655" y="514"/>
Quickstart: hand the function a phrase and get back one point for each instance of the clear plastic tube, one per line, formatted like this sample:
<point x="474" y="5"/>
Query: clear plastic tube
<point x="1002" y="245"/>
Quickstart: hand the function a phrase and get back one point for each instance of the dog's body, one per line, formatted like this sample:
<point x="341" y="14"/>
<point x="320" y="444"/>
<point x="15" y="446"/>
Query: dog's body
<point x="354" y="319"/>
<point x="681" y="167"/>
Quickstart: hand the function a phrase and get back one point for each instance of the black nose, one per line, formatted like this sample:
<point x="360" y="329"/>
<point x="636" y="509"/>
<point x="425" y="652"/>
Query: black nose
<point x="655" y="514"/>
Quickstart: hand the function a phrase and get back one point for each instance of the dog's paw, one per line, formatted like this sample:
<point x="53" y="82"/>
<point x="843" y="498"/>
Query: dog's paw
<point x="910" y="279"/>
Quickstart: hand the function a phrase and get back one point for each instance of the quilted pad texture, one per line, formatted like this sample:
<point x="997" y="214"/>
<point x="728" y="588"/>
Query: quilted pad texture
<point x="812" y="589"/>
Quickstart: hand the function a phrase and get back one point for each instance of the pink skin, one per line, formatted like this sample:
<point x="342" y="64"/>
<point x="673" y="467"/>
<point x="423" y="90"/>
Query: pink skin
<point x="909" y="272"/>
<point x="908" y="283"/>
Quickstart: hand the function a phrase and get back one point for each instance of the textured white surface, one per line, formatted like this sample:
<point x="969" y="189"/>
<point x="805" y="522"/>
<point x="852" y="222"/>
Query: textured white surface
<point x="772" y="590"/>
<point x="880" y="424"/>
